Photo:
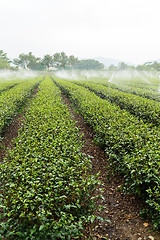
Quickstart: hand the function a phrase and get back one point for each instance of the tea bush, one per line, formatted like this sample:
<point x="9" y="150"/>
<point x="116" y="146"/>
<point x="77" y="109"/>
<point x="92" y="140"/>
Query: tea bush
<point x="133" y="146"/>
<point x="45" y="181"/>
<point x="146" y="109"/>
<point x="12" y="99"/>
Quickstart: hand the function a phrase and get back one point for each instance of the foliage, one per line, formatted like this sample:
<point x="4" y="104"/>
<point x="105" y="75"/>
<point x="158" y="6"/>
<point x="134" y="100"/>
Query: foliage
<point x="4" y="56"/>
<point x="147" y="91"/>
<point x="149" y="66"/>
<point x="4" y="64"/>
<point x="4" y="60"/>
<point x="146" y="109"/>
<point x="28" y="61"/>
<point x="47" y="61"/>
<point x="61" y="60"/>
<point x="89" y="64"/>
<point x="47" y="187"/>
<point x="12" y="99"/>
<point x="122" y="66"/>
<point x="133" y="146"/>
<point x="58" y="61"/>
<point x="7" y="85"/>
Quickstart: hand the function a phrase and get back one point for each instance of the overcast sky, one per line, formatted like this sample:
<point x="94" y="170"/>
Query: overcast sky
<point x="128" y="30"/>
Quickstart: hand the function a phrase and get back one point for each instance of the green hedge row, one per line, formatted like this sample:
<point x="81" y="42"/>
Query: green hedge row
<point x="12" y="99"/>
<point x="134" y="147"/>
<point x="142" y="85"/>
<point x="146" y="93"/>
<point x="7" y="84"/>
<point x="4" y="84"/>
<point x="143" y="82"/>
<point x="146" y="109"/>
<point x="47" y="187"/>
<point x="131" y="86"/>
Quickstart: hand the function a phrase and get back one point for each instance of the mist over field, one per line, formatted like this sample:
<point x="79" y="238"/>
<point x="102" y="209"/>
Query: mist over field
<point x="79" y="119"/>
<point x="115" y="77"/>
<point x="122" y="109"/>
<point x="111" y="76"/>
<point x="21" y="74"/>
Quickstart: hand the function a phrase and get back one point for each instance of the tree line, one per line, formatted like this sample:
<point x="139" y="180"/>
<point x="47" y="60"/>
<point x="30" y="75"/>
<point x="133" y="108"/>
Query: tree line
<point x="48" y="62"/>
<point x="148" y="66"/>
<point x="62" y="61"/>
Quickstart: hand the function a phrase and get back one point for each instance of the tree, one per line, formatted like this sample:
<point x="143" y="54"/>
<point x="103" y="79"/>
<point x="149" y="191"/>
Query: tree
<point x="34" y="63"/>
<point x="47" y="61"/>
<point x="156" y="66"/>
<point x="112" y="67"/>
<point x="61" y="60"/>
<point x="149" y="66"/>
<point x="122" y="66"/>
<point x="21" y="61"/>
<point x="4" y="56"/>
<point x="4" y="64"/>
<point x="89" y="64"/>
<point x="64" y="60"/>
<point x="28" y="61"/>
<point x="4" y="61"/>
<point x="57" y="59"/>
<point x="72" y="61"/>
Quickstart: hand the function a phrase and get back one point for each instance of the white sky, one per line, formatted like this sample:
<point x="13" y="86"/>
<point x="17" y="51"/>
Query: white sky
<point x="128" y="30"/>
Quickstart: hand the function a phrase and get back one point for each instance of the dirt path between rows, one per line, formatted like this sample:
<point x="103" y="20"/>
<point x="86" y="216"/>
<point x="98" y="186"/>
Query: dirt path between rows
<point x="120" y="208"/>
<point x="11" y="131"/>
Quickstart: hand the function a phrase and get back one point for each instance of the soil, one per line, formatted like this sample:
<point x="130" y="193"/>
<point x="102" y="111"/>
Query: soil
<point x="120" y="208"/>
<point x="11" y="132"/>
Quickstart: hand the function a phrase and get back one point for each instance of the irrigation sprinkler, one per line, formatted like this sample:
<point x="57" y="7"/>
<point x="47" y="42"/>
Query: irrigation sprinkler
<point x="109" y="88"/>
<point x="109" y="84"/>
<point x="110" y="81"/>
